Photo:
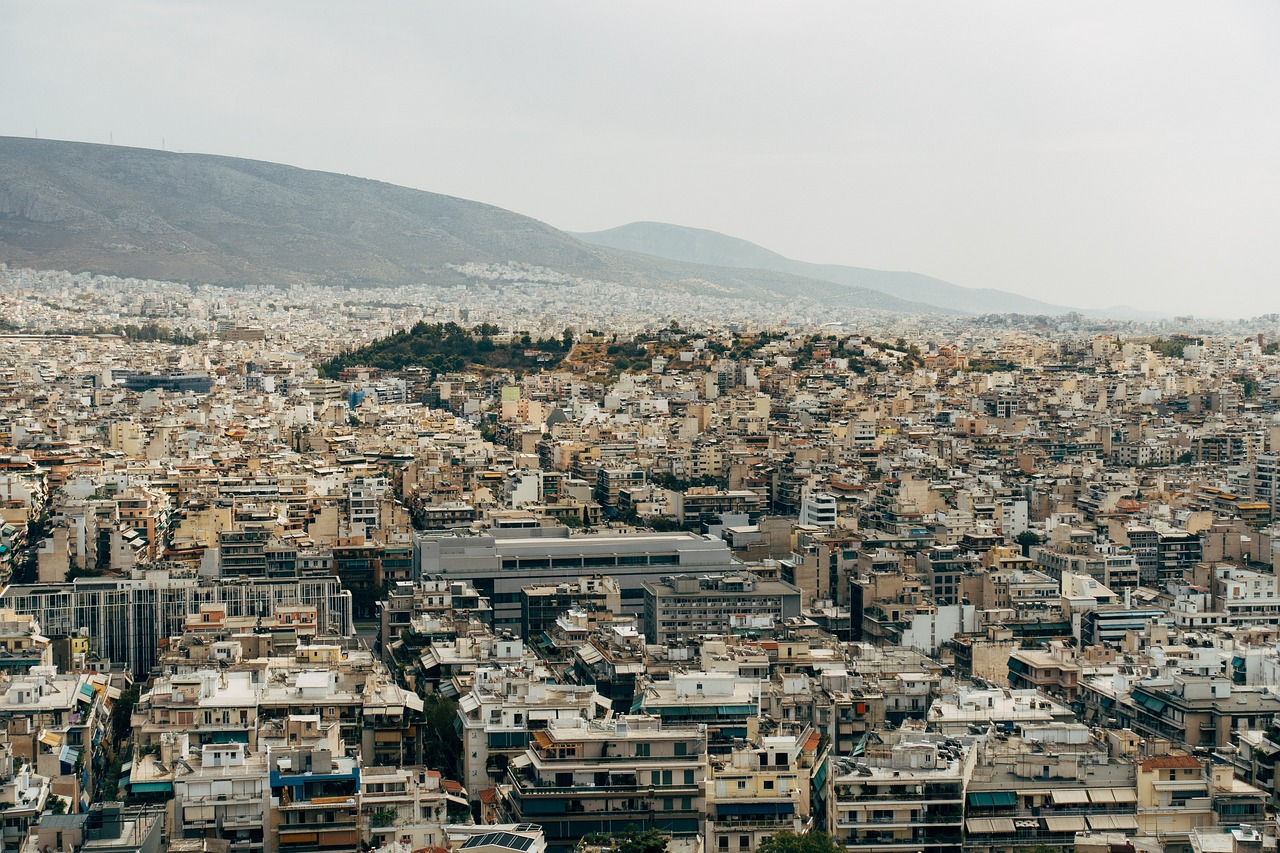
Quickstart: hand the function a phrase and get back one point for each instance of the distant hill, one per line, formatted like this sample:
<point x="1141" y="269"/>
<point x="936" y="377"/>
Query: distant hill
<point x="221" y="220"/>
<point x="696" y="245"/>
<point x="448" y="346"/>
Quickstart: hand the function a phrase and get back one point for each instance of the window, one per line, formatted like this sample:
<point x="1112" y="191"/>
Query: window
<point x="768" y="784"/>
<point x="688" y="777"/>
<point x="642" y="750"/>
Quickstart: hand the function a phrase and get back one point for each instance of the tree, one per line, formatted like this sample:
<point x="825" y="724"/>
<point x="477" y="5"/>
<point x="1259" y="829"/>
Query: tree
<point x="443" y="747"/>
<point x="631" y="840"/>
<point x="809" y="842"/>
<point x="1026" y="539"/>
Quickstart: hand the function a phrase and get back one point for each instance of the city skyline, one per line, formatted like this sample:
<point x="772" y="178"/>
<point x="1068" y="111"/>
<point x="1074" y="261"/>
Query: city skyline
<point x="1085" y="155"/>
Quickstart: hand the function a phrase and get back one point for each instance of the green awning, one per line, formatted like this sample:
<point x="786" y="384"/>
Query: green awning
<point x="993" y="799"/>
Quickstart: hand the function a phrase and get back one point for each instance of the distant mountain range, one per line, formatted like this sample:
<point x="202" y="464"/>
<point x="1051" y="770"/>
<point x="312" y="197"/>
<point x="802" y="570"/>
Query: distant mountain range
<point x="699" y="246"/>
<point x="222" y="220"/>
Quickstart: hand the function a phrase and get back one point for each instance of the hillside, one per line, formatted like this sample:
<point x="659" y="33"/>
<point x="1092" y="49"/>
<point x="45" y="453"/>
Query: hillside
<point x="697" y="245"/>
<point x="222" y="220"/>
<point x="449" y="346"/>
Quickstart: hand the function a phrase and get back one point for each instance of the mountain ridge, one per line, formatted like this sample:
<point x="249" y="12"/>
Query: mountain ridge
<point x="207" y="218"/>
<point x="700" y="245"/>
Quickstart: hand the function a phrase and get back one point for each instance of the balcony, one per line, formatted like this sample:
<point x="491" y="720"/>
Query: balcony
<point x="535" y="787"/>
<point x="780" y="825"/>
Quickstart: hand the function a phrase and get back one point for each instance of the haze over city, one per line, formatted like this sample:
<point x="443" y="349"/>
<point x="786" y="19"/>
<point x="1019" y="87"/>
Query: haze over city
<point x="1086" y="154"/>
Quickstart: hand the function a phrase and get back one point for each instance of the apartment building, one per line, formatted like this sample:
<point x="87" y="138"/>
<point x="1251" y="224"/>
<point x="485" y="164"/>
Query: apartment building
<point x="905" y="794"/>
<point x="580" y="777"/>
<point x="773" y="783"/>
<point x="504" y="706"/>
<point x="126" y="618"/>
<point x="685" y="608"/>
<point x="1195" y="710"/>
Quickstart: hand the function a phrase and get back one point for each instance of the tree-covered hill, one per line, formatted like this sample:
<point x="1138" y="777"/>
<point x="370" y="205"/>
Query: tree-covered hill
<point x="447" y="347"/>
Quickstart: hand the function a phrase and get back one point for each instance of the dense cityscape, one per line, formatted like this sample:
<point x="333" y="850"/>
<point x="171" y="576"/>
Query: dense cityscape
<point x="492" y="569"/>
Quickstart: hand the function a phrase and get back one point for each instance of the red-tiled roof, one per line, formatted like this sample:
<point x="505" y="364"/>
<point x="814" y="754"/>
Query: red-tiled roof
<point x="1171" y="762"/>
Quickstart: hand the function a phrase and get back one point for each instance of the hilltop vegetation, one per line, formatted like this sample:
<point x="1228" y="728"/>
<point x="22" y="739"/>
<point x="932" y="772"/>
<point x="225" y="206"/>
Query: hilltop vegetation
<point x="445" y="347"/>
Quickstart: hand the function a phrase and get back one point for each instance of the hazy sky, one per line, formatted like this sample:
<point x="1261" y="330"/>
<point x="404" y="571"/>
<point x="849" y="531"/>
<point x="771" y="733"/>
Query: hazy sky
<point x="1087" y="153"/>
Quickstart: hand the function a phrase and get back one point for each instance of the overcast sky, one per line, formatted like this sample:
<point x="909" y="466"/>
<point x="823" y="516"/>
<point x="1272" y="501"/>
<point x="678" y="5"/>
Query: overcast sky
<point x="1086" y="153"/>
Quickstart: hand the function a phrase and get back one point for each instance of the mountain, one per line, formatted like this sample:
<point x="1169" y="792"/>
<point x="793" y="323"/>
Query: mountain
<point x="222" y="220"/>
<point x="696" y="245"/>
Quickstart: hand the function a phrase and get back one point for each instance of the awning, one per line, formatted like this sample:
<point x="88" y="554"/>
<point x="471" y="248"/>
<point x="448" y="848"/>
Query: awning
<point x="1067" y="823"/>
<point x="1101" y="795"/>
<point x="52" y="739"/>
<point x="1071" y="796"/>
<point x="992" y="825"/>
<point x="992" y="799"/>
<point x="1126" y="795"/>
<point x="755" y="808"/>
<point x="1104" y="822"/>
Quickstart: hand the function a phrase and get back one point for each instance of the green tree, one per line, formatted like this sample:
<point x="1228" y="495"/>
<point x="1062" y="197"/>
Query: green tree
<point x="809" y="842"/>
<point x="443" y="748"/>
<point x="1026" y="539"/>
<point x="631" y="840"/>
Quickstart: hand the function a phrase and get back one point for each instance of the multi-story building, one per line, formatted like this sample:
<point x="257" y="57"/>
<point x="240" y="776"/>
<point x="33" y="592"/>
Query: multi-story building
<point x="315" y="788"/>
<point x="1049" y="671"/>
<point x="943" y="567"/>
<point x="504" y="561"/>
<point x="724" y="703"/>
<point x="225" y="793"/>
<point x="1178" y="795"/>
<point x="505" y="705"/>
<point x="774" y="783"/>
<point x="1196" y="711"/>
<point x="541" y="604"/>
<point x="907" y="794"/>
<point x="408" y="806"/>
<point x="242" y="552"/>
<point x="706" y="504"/>
<point x="1247" y="597"/>
<point x="819" y="509"/>
<point x="684" y="607"/>
<point x="126" y="619"/>
<point x="580" y="777"/>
